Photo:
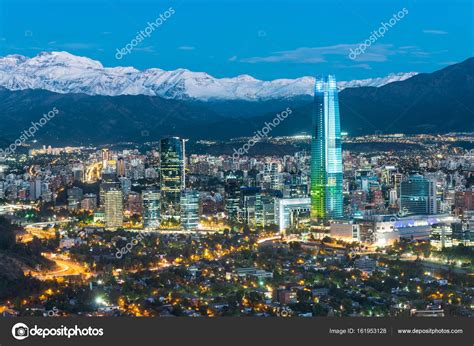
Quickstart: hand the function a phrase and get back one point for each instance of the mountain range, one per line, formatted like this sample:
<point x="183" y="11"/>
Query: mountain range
<point x="437" y="102"/>
<point x="64" y="73"/>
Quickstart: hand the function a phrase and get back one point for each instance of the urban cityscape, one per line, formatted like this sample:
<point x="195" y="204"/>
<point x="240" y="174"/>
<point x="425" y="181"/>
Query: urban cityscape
<point x="375" y="225"/>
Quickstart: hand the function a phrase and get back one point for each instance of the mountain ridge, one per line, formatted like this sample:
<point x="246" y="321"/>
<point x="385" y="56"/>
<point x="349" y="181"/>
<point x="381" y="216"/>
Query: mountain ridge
<point x="437" y="102"/>
<point x="66" y="73"/>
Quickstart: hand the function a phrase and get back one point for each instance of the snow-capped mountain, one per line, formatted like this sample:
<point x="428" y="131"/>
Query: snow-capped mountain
<point x="376" y="82"/>
<point x="64" y="73"/>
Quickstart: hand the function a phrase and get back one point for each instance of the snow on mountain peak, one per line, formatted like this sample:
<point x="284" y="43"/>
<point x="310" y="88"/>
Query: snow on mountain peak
<point x="65" y="59"/>
<point x="376" y="82"/>
<point x="62" y="72"/>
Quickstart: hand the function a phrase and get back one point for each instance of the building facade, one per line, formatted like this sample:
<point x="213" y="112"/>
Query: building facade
<point x="190" y="209"/>
<point x="114" y="208"/>
<point x="172" y="179"/>
<point x="151" y="208"/>
<point x="418" y="195"/>
<point x="326" y="153"/>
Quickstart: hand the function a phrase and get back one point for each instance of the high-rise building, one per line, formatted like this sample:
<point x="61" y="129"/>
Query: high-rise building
<point x="397" y="179"/>
<point x="172" y="179"/>
<point x="393" y="197"/>
<point x="190" y="209"/>
<point x="250" y="203"/>
<point x="463" y="232"/>
<point x="126" y="185"/>
<point x="114" y="208"/>
<point x="104" y="187"/>
<point x="418" y="195"/>
<point x="105" y="157"/>
<point x="151" y="208"/>
<point x="74" y="197"/>
<point x="326" y="153"/>
<point x="297" y="187"/>
<point x="274" y="176"/>
<point x="120" y="167"/>
<point x="89" y="202"/>
<point x="232" y="185"/>
<point x="134" y="203"/>
<point x="78" y="174"/>
<point x="36" y="188"/>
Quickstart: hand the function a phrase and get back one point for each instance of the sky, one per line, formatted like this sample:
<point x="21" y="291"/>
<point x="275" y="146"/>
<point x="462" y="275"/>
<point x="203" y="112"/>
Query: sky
<point x="265" y="39"/>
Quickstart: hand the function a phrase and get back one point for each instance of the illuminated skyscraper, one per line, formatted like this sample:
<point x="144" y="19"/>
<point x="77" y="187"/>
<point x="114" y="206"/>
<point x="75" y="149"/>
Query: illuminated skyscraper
<point x="151" y="208"/>
<point x="105" y="157"/>
<point x="114" y="208"/>
<point x="120" y="167"/>
<point x="233" y="182"/>
<point x="190" y="209"/>
<point x="172" y="177"/>
<point x="326" y="153"/>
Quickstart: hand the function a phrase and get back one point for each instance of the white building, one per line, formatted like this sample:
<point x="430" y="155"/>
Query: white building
<point x="286" y="209"/>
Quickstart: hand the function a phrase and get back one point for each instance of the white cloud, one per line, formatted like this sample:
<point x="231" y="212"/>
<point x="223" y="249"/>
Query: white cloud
<point x="435" y="32"/>
<point x="314" y="55"/>
<point x="147" y="49"/>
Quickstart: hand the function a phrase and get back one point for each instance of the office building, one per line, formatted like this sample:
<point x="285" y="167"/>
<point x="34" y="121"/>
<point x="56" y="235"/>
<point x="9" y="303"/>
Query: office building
<point x="190" y="209"/>
<point x="74" y="197"/>
<point x="291" y="211"/>
<point x="89" y="202"/>
<point x="114" y="208"/>
<point x="233" y="182"/>
<point x="172" y="179"/>
<point x="120" y="167"/>
<point x="134" y="203"/>
<point x="151" y="208"/>
<point x="418" y="195"/>
<point x="441" y="236"/>
<point x="326" y="153"/>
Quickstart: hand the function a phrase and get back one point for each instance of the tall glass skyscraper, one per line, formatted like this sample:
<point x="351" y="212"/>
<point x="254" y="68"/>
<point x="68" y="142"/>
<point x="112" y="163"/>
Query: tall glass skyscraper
<point x="326" y="153"/>
<point x="172" y="174"/>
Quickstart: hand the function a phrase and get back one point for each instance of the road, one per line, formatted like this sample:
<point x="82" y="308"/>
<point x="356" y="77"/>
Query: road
<point x="36" y="230"/>
<point x="64" y="267"/>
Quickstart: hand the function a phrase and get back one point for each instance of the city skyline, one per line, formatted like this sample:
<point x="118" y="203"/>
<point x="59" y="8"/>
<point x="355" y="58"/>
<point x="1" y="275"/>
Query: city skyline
<point x="397" y="224"/>
<point x="305" y="160"/>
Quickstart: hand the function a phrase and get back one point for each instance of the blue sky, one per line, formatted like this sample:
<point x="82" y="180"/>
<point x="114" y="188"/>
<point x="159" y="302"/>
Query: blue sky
<point x="266" y="39"/>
